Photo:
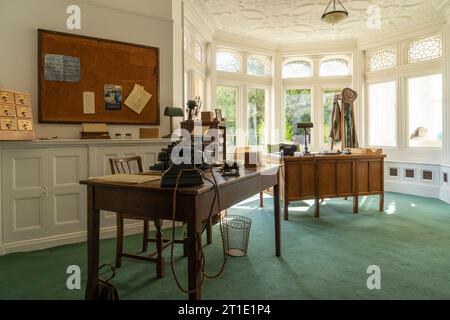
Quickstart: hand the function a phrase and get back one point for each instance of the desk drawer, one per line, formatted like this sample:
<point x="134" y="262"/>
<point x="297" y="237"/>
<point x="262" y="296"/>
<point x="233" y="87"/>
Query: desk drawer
<point x="7" y="111"/>
<point x="7" y="97"/>
<point x="22" y="99"/>
<point x="8" y="124"/>
<point x="25" y="125"/>
<point x="24" y="112"/>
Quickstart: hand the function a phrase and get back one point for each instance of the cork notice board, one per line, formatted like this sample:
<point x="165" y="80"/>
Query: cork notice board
<point x="79" y="76"/>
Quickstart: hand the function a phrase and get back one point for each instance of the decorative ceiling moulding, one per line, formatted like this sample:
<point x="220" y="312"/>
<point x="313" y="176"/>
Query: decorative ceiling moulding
<point x="319" y="47"/>
<point x="247" y="44"/>
<point x="414" y="31"/>
<point x="202" y="23"/>
<point x="269" y="20"/>
<point x="134" y="11"/>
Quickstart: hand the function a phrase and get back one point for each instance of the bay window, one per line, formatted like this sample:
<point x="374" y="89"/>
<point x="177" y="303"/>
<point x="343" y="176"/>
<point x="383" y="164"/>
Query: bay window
<point x="382" y="114"/>
<point x="425" y="111"/>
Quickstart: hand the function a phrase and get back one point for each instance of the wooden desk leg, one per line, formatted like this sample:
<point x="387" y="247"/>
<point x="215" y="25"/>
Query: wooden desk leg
<point x="356" y="204"/>
<point x="261" y="199"/>
<point x="317" y="208"/>
<point x="276" y="193"/>
<point x="286" y="209"/>
<point x="194" y="260"/>
<point x="382" y="202"/>
<point x="209" y="232"/>
<point x="93" y="245"/>
<point x="159" y="249"/>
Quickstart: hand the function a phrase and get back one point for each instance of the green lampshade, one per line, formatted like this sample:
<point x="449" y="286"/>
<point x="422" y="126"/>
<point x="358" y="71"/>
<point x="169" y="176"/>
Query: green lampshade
<point x="173" y="112"/>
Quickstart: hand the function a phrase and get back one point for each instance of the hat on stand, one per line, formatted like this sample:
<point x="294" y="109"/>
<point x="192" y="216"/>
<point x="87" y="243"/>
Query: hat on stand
<point x="349" y="95"/>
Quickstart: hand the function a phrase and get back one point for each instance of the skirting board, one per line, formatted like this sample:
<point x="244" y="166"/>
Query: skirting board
<point x="71" y="238"/>
<point x="415" y="189"/>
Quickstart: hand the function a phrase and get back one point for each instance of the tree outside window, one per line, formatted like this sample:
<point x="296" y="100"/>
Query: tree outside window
<point x="256" y="116"/>
<point x="297" y="110"/>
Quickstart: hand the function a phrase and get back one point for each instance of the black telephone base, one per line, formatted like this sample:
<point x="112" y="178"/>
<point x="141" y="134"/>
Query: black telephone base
<point x="190" y="177"/>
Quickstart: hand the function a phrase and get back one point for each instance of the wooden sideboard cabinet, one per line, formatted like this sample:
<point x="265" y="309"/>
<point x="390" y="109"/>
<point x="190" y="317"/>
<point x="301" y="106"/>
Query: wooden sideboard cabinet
<point x="338" y="176"/>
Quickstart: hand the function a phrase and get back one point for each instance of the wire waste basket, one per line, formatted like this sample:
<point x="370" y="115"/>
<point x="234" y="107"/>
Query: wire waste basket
<point x="236" y="234"/>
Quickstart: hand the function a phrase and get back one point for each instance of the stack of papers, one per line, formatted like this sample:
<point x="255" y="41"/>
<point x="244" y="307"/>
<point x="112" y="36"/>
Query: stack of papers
<point x="128" y="178"/>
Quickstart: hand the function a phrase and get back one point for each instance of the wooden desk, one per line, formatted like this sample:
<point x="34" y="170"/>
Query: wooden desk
<point x="193" y="207"/>
<point x="318" y="177"/>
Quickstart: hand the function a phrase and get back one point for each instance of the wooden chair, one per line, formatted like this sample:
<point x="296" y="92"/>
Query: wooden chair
<point x="133" y="165"/>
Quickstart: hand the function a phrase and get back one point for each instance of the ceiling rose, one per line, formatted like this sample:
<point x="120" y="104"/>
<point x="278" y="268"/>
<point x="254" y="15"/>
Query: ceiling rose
<point x="334" y="13"/>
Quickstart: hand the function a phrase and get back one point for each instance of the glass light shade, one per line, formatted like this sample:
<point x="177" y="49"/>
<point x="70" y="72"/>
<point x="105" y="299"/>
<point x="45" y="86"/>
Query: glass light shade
<point x="334" y="17"/>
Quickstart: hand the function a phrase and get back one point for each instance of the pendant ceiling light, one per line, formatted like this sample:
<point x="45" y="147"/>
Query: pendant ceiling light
<point x="334" y="13"/>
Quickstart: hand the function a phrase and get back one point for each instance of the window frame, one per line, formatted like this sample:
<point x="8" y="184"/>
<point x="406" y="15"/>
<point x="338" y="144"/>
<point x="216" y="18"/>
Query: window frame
<point x="410" y="42"/>
<point x="407" y="111"/>
<point x="234" y="53"/>
<point x="267" y="65"/>
<point x="396" y="114"/>
<point x="402" y="72"/>
<point x="313" y="110"/>
<point x="289" y="60"/>
<point x="372" y="52"/>
<point x="335" y="57"/>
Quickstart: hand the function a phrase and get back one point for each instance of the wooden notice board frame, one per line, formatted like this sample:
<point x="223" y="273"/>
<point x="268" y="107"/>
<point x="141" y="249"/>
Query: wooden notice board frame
<point x="102" y="62"/>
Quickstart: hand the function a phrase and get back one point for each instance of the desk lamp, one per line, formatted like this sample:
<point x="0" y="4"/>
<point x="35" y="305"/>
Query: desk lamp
<point x="172" y="113"/>
<point x="306" y="126"/>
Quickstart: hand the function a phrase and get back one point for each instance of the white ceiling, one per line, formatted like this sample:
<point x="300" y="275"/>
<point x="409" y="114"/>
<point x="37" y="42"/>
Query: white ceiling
<point x="289" y="21"/>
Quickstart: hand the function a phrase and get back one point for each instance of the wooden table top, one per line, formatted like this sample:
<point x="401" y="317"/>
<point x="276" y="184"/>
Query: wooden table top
<point x="195" y="190"/>
<point x="334" y="157"/>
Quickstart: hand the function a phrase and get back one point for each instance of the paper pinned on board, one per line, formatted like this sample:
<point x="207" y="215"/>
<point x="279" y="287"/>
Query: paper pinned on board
<point x="88" y="102"/>
<point x="138" y="99"/>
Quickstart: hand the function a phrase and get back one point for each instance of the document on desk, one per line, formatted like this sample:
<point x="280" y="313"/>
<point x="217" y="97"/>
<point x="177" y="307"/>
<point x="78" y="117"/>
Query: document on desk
<point x="127" y="178"/>
<point x="138" y="99"/>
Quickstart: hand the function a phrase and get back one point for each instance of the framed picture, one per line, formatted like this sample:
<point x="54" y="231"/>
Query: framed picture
<point x="219" y="115"/>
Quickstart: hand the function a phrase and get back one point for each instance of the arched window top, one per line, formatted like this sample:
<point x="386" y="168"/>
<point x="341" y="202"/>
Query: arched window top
<point x="258" y="66"/>
<point x="228" y="61"/>
<point x="297" y="68"/>
<point x="334" y="66"/>
<point x="382" y="59"/>
<point x="198" y="51"/>
<point x="425" y="49"/>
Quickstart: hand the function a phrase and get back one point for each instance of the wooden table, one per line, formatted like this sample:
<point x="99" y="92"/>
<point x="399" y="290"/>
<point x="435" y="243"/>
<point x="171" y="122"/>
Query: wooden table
<point x="193" y="208"/>
<point x="333" y="176"/>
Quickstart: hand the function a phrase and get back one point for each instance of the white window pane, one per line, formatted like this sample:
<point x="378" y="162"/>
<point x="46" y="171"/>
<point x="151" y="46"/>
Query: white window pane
<point x="382" y="59"/>
<point x="256" y="116"/>
<point x="425" y="111"/>
<point x="297" y="109"/>
<point x="383" y="114"/>
<point x="334" y="67"/>
<point x="425" y="49"/>
<point x="328" y="103"/>
<point x="199" y="88"/>
<point x="227" y="102"/>
<point x="256" y="67"/>
<point x="297" y="69"/>
<point x="228" y="62"/>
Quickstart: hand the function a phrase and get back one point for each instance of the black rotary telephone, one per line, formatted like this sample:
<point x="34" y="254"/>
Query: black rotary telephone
<point x="190" y="173"/>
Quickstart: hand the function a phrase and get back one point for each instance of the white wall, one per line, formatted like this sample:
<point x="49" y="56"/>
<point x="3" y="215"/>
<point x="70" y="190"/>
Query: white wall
<point x="146" y="22"/>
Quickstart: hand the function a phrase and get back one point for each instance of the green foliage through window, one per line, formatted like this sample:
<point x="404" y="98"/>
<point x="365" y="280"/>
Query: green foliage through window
<point x="227" y="101"/>
<point x="297" y="110"/>
<point x="256" y="116"/>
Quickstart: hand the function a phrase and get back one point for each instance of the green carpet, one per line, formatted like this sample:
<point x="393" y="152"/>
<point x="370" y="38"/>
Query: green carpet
<point x="321" y="259"/>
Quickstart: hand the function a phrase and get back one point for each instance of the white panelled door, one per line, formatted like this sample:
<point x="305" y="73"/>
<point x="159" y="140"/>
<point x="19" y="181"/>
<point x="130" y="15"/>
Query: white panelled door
<point x="25" y="195"/>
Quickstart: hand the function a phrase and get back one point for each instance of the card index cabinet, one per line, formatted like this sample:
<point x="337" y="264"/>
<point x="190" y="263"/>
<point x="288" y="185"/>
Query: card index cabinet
<point x="16" y="116"/>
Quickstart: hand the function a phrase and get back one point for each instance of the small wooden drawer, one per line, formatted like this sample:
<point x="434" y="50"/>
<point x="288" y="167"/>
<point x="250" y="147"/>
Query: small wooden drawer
<point x="8" y="124"/>
<point x="24" y="112"/>
<point x="7" y="110"/>
<point x="22" y="99"/>
<point x="25" y="125"/>
<point x="7" y="97"/>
